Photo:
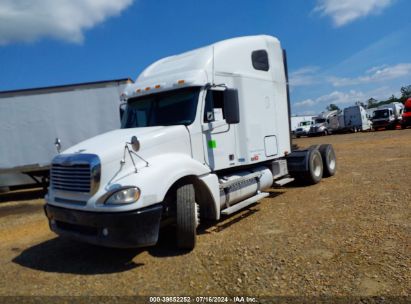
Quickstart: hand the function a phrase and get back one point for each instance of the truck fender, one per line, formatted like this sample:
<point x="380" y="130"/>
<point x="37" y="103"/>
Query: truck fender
<point x="179" y="168"/>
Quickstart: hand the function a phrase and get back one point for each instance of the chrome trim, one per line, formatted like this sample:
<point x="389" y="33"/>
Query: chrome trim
<point x="78" y="173"/>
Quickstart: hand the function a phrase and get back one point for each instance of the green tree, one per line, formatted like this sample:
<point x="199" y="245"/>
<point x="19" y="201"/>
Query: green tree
<point x="372" y="103"/>
<point x="405" y="93"/>
<point x="332" y="107"/>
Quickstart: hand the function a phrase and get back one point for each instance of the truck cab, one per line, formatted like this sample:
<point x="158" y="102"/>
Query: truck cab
<point x="203" y="134"/>
<point x="325" y="123"/>
<point x="303" y="128"/>
<point x="388" y="116"/>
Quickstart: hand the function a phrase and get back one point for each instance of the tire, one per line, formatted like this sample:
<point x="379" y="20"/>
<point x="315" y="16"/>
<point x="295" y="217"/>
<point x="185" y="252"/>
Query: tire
<point x="187" y="217"/>
<point x="325" y="133"/>
<point x="315" y="168"/>
<point x="329" y="160"/>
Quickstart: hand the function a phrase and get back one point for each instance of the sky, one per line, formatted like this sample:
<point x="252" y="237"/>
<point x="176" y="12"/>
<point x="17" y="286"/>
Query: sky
<point x="339" y="51"/>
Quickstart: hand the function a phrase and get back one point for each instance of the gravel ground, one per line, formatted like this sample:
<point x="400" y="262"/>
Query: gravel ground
<point x="350" y="235"/>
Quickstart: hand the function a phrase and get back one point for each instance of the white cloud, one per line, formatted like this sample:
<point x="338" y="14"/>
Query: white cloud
<point x="344" y="98"/>
<point x="306" y="103"/>
<point x="304" y="76"/>
<point x="30" y="20"/>
<point x="374" y="75"/>
<point x="345" y="11"/>
<point x="336" y="97"/>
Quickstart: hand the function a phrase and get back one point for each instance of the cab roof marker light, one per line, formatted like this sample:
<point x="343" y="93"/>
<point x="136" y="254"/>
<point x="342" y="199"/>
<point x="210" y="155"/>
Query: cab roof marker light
<point x="138" y="91"/>
<point x="147" y="89"/>
<point x="181" y="81"/>
<point x="157" y="86"/>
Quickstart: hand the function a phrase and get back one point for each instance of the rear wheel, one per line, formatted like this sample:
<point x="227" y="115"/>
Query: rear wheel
<point x="329" y="159"/>
<point x="315" y="168"/>
<point x="187" y="217"/>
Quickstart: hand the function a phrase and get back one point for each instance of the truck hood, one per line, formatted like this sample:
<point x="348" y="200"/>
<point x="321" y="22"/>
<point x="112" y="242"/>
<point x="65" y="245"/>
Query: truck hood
<point x="110" y="146"/>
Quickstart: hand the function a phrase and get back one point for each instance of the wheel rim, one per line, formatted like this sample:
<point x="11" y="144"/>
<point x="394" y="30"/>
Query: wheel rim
<point x="317" y="162"/>
<point x="197" y="215"/>
<point x="331" y="161"/>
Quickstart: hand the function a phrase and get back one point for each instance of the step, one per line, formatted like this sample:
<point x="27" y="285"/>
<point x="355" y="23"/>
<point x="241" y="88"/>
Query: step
<point x="245" y="203"/>
<point x="283" y="181"/>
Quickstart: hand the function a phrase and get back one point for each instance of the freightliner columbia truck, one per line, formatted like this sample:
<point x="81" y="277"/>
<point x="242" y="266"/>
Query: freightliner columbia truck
<point x="203" y="135"/>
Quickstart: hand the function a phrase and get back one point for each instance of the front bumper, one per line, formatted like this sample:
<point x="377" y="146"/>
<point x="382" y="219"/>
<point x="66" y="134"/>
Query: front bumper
<point x="383" y="124"/>
<point x="138" y="228"/>
<point x="301" y="133"/>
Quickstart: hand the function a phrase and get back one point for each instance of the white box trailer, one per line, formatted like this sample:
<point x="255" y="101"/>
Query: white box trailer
<point x="31" y="120"/>
<point x="204" y="134"/>
<point x="356" y="119"/>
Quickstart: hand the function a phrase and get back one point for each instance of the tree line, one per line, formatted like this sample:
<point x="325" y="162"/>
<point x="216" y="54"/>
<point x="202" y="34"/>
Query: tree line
<point x="374" y="103"/>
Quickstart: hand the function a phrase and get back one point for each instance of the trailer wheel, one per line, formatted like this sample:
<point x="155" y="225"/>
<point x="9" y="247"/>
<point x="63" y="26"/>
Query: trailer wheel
<point x="315" y="168"/>
<point x="187" y="217"/>
<point x="329" y="160"/>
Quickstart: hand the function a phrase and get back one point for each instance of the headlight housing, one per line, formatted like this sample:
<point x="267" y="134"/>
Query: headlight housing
<point x="124" y="196"/>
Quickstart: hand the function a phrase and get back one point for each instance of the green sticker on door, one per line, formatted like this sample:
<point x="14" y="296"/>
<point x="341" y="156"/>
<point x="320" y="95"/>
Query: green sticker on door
<point x="212" y="144"/>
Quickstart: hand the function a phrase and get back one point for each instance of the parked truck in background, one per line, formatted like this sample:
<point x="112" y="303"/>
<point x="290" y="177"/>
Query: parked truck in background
<point x="406" y="116"/>
<point x="325" y="123"/>
<point x="388" y="116"/>
<point x="204" y="134"/>
<point x="356" y="119"/>
<point x="303" y="128"/>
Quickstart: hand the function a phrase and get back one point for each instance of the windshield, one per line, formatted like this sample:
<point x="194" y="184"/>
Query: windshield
<point x="305" y="123"/>
<point x="319" y="120"/>
<point x="381" y="113"/>
<point x="177" y="107"/>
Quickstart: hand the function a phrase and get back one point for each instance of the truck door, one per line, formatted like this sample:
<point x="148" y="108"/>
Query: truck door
<point x="219" y="140"/>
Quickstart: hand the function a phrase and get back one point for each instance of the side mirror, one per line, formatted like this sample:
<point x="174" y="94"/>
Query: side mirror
<point x="231" y="106"/>
<point x="135" y="143"/>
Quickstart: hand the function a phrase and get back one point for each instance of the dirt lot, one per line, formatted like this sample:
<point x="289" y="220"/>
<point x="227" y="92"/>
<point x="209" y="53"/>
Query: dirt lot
<point x="350" y="235"/>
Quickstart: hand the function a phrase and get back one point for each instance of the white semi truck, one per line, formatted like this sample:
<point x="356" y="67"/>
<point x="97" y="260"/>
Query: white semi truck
<point x="388" y="116"/>
<point x="325" y="123"/>
<point x="204" y="134"/>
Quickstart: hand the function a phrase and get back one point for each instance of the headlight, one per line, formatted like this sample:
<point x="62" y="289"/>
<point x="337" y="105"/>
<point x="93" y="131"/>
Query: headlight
<point x="124" y="196"/>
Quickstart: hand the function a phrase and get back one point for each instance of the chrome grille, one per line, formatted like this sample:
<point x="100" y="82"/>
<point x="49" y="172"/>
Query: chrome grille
<point x="75" y="173"/>
<point x="71" y="178"/>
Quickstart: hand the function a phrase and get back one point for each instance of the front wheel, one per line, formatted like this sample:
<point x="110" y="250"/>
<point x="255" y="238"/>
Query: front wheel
<point x="187" y="217"/>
